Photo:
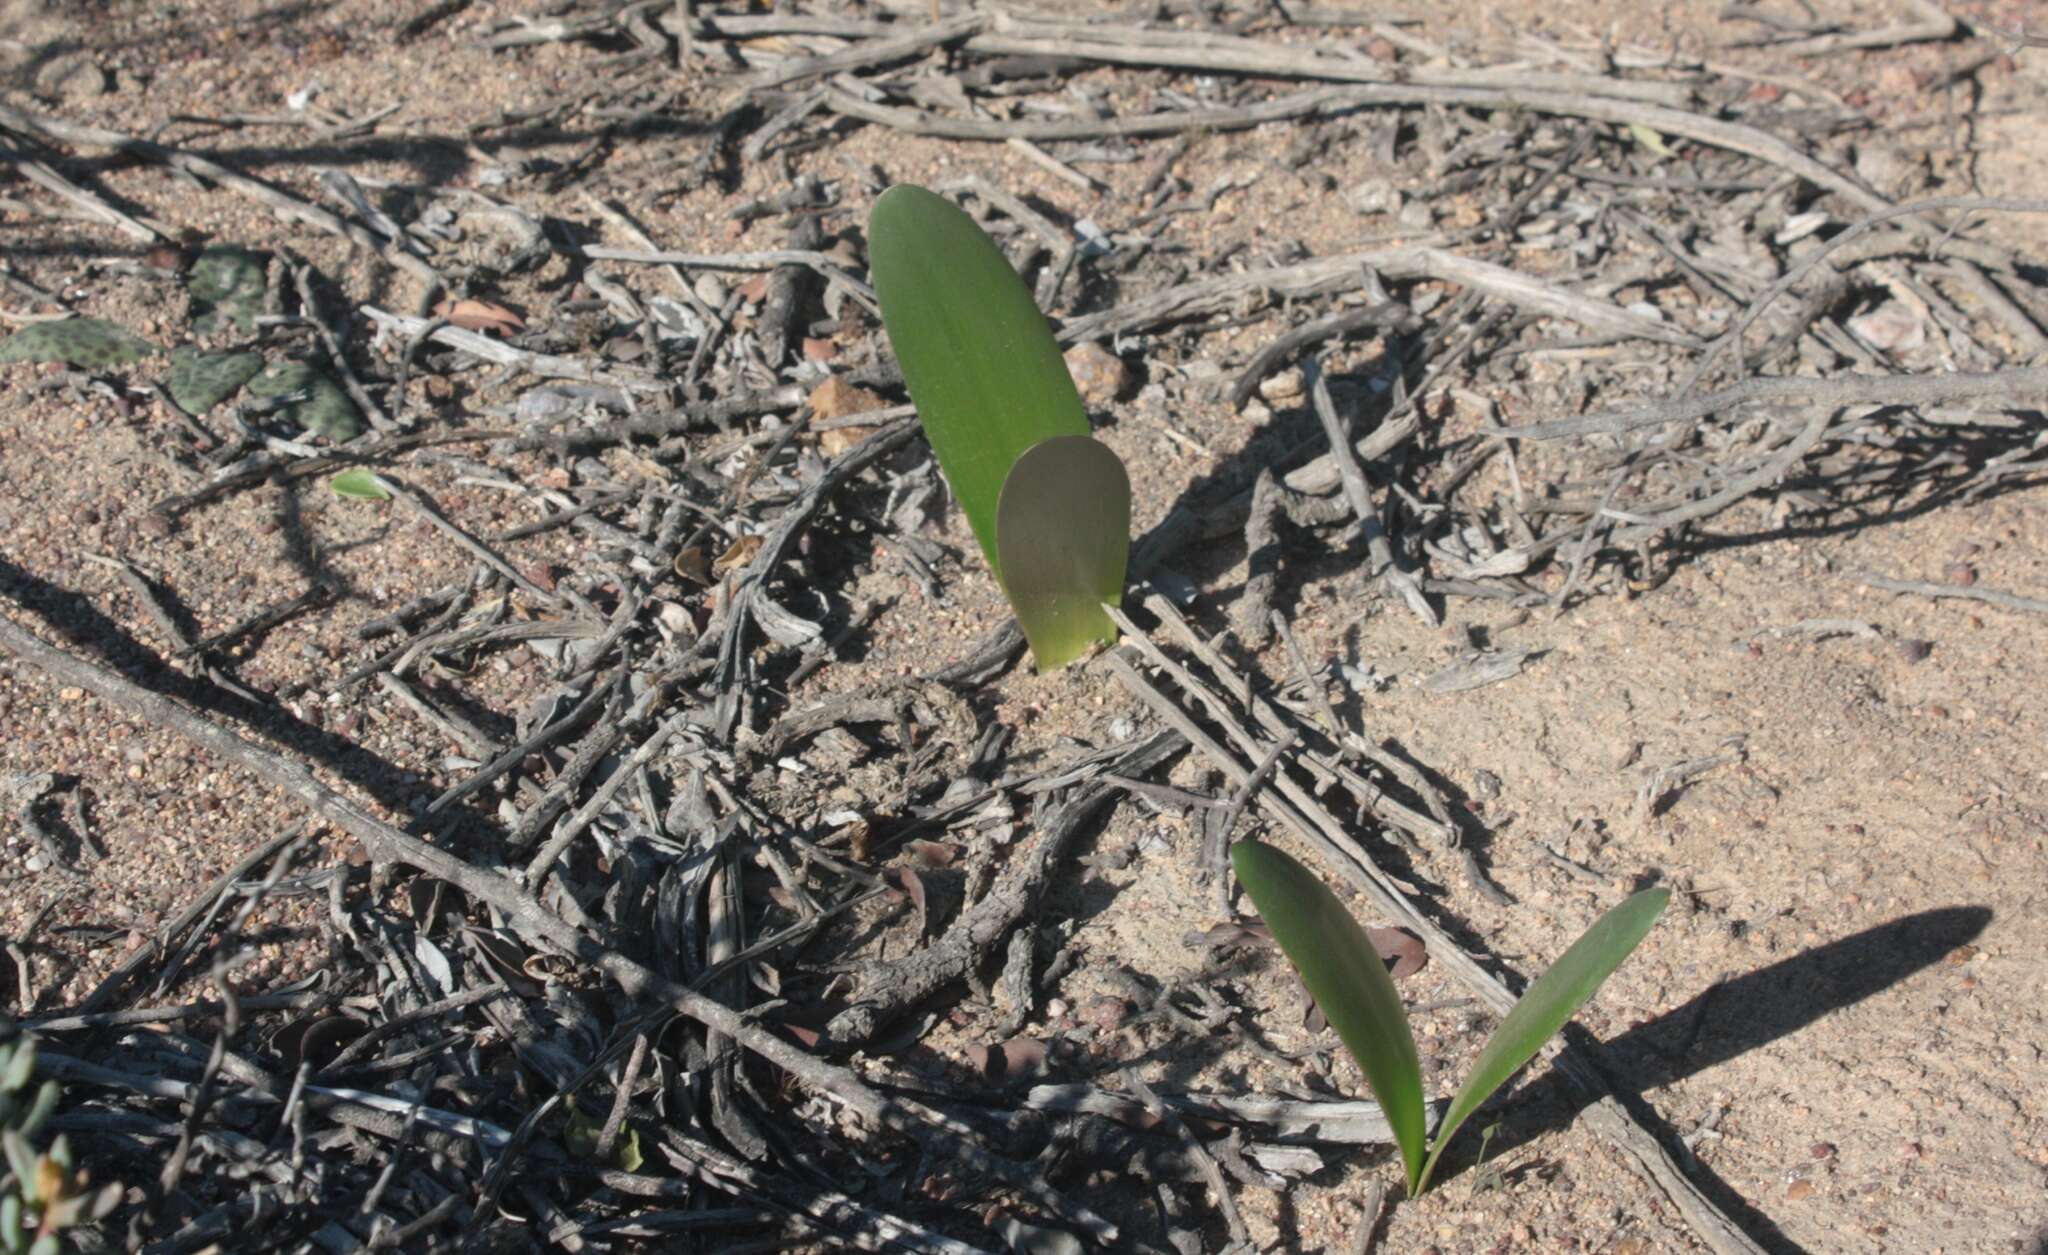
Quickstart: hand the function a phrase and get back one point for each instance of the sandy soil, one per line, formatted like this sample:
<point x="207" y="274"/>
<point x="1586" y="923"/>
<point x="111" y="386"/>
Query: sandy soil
<point x="1843" y="1014"/>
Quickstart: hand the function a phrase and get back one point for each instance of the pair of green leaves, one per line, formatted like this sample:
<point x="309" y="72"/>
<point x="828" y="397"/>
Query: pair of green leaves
<point x="1348" y="980"/>
<point x="1050" y="507"/>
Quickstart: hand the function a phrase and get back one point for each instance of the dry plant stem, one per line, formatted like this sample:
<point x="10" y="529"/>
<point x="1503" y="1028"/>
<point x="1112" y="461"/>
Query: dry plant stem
<point x="825" y="265"/>
<point x="1989" y="596"/>
<point x="1327" y="836"/>
<point x="2014" y="384"/>
<point x="418" y="503"/>
<point x="1933" y="23"/>
<point x="1015" y="35"/>
<point x="545" y="365"/>
<point x="1763" y="477"/>
<point x="92" y="206"/>
<point x="1359" y="494"/>
<point x="337" y="356"/>
<point x="1216" y="841"/>
<point x="893" y="987"/>
<point x="1369" y="1217"/>
<point x="2018" y="322"/>
<point x="140" y="958"/>
<point x="1326" y="101"/>
<point x="1262" y="559"/>
<point x="872" y="52"/>
<point x="533" y="923"/>
<point x="358" y="453"/>
<point x="1390" y="315"/>
<point x="1340" y="272"/>
<point x="1212" y="1176"/>
<point x="285" y="205"/>
<point x="1880" y="213"/>
<point x="543" y="864"/>
<point x="474" y="740"/>
<point x="1326" y="769"/>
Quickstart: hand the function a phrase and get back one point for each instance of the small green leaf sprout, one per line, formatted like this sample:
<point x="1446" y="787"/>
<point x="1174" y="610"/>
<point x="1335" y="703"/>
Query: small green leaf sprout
<point x="42" y="1193"/>
<point x="1349" y="982"/>
<point x="1050" y="507"/>
<point x="361" y="485"/>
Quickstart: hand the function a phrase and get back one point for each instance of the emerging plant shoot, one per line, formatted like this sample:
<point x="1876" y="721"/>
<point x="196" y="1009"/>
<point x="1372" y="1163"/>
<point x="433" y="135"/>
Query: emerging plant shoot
<point x="1350" y="983"/>
<point x="1050" y="507"/>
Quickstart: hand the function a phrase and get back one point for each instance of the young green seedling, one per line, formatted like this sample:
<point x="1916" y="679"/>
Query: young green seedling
<point x="1049" y="506"/>
<point x="1349" y="982"/>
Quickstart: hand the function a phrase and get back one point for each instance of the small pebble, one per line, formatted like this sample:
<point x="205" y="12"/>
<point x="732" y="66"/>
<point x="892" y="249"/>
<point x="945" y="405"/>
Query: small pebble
<point x="1915" y="651"/>
<point x="1285" y="386"/>
<point x="1100" y="376"/>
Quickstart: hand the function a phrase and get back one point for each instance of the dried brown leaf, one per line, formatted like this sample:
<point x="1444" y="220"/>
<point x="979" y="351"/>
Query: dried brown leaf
<point x="1018" y="1059"/>
<point x="1402" y="949"/>
<point x="691" y="565"/>
<point x="934" y="853"/>
<point x="474" y="315"/>
<point x="737" y="555"/>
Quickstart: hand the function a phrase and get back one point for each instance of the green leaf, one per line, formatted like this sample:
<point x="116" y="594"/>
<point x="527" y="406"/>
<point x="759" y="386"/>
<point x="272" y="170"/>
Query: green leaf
<point x="583" y="1132"/>
<point x="201" y="380"/>
<point x="1348" y="980"/>
<point x="87" y="343"/>
<point x="1546" y="1006"/>
<point x="980" y="362"/>
<point x="226" y="284"/>
<point x="18" y="1065"/>
<point x="21" y="1160"/>
<point x="360" y="484"/>
<point x="1063" y="528"/>
<point x="1650" y="139"/>
<point x="41" y="1110"/>
<point x="319" y="406"/>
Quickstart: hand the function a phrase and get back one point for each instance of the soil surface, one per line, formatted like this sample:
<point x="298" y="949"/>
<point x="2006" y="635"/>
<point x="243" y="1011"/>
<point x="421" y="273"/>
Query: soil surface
<point x="1837" y="1029"/>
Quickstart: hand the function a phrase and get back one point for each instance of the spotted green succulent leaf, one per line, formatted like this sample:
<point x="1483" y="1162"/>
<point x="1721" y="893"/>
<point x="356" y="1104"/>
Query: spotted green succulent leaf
<point x="87" y="343"/>
<point x="319" y="406"/>
<point x="201" y="380"/>
<point x="226" y="285"/>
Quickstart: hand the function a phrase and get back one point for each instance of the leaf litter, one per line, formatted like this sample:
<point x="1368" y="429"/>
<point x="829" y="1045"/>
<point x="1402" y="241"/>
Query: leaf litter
<point x="670" y="788"/>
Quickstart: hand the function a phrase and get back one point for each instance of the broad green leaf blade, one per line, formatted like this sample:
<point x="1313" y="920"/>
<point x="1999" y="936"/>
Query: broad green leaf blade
<point x="1547" y="1004"/>
<point x="317" y="403"/>
<point x="87" y="343"/>
<point x="1063" y="528"/>
<point x="200" y="380"/>
<point x="979" y="359"/>
<point x="362" y="485"/>
<point x="1348" y="980"/>
<point x="227" y="286"/>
